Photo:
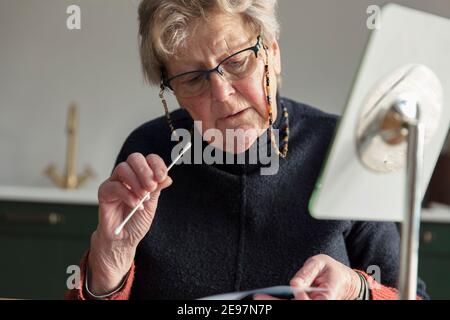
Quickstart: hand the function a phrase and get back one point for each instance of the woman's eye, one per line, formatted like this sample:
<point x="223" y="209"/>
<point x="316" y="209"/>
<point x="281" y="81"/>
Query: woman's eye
<point x="192" y="80"/>
<point x="236" y="63"/>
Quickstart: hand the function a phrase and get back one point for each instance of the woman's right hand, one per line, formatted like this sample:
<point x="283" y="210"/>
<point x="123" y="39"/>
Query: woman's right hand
<point x="111" y="255"/>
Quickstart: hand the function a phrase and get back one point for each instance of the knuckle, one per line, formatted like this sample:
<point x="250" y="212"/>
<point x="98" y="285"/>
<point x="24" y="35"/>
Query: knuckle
<point x="115" y="190"/>
<point x="158" y="167"/>
<point x="103" y="184"/>
<point x="154" y="160"/>
<point x="304" y="274"/>
<point x="135" y="157"/>
<point x="319" y="259"/>
<point x="102" y="189"/>
<point x="141" y="171"/>
<point x="313" y="260"/>
<point x="121" y="168"/>
<point x="151" y="157"/>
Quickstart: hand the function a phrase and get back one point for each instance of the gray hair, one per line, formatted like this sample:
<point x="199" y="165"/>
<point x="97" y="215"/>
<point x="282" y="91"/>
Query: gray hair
<point x="164" y="26"/>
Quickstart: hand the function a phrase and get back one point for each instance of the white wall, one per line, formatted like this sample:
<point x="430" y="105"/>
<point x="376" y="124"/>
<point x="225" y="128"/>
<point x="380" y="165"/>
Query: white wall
<point x="322" y="42"/>
<point x="44" y="66"/>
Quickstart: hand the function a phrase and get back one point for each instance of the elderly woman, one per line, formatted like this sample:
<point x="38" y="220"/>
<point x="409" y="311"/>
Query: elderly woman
<point x="222" y="227"/>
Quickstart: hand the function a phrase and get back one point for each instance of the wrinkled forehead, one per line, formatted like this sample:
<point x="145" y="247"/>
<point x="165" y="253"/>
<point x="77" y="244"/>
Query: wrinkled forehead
<point x="212" y="40"/>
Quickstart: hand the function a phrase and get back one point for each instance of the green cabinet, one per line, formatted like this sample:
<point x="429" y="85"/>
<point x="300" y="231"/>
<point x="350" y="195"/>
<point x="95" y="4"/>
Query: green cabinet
<point x="38" y="242"/>
<point x="434" y="259"/>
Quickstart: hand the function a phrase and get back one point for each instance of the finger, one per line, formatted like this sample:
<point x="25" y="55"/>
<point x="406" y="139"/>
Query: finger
<point x="299" y="294"/>
<point x="111" y="191"/>
<point x="264" y="297"/>
<point x="158" y="167"/>
<point x="165" y="184"/>
<point x="321" y="296"/>
<point x="114" y="190"/>
<point x="308" y="273"/>
<point x="143" y="172"/>
<point x="329" y="290"/>
<point x="123" y="173"/>
<point x="152" y="203"/>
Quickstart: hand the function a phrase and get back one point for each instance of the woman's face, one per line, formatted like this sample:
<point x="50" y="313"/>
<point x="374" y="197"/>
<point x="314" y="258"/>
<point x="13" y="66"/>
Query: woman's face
<point x="239" y="104"/>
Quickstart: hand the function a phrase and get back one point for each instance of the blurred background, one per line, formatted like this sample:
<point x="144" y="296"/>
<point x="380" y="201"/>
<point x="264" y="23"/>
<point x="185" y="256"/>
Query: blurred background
<point x="46" y="67"/>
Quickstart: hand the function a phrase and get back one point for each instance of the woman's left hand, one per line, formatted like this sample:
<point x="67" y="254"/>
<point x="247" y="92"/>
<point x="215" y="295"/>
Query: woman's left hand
<point x="321" y="271"/>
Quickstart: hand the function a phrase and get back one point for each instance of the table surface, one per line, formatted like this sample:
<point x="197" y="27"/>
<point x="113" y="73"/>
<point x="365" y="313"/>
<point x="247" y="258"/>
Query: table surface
<point x="48" y="195"/>
<point x="438" y="213"/>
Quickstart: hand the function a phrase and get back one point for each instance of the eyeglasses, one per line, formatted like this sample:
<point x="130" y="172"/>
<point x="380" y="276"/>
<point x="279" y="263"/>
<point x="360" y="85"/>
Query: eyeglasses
<point x="235" y="67"/>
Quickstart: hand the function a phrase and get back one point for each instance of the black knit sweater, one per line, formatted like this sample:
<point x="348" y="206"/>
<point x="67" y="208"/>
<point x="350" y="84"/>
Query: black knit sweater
<point x="223" y="228"/>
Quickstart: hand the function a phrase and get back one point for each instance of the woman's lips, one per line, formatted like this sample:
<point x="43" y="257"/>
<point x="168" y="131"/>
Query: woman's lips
<point x="235" y="115"/>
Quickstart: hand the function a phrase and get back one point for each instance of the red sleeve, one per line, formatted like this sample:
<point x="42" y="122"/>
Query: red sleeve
<point x="379" y="291"/>
<point x="80" y="293"/>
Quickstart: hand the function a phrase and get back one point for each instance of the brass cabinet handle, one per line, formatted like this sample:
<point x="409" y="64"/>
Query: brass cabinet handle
<point x="51" y="218"/>
<point x="427" y="237"/>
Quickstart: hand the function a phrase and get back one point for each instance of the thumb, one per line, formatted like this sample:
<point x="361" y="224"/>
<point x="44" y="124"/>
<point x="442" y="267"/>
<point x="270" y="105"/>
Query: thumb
<point x="308" y="273"/>
<point x="152" y="203"/>
<point x="165" y="184"/>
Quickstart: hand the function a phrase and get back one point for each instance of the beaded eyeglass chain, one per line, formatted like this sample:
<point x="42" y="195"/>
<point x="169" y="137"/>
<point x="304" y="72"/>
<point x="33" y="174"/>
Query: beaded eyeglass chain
<point x="285" y="146"/>
<point x="166" y="111"/>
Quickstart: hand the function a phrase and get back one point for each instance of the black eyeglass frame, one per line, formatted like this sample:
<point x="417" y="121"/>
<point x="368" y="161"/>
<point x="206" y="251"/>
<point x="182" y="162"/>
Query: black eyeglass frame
<point x="207" y="73"/>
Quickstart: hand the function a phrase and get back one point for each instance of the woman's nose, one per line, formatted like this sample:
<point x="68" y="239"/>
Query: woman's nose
<point x="221" y="88"/>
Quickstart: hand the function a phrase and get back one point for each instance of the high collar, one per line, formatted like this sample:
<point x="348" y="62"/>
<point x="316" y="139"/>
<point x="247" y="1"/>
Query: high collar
<point x="247" y="167"/>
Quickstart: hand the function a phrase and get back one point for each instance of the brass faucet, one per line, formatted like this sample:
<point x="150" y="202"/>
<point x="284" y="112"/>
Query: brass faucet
<point x="70" y="180"/>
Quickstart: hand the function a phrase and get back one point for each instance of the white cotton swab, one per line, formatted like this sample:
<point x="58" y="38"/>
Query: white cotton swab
<point x="147" y="196"/>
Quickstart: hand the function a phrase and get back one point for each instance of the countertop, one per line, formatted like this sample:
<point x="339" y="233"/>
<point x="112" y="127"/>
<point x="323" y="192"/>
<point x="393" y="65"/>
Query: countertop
<point x="438" y="213"/>
<point x="48" y="195"/>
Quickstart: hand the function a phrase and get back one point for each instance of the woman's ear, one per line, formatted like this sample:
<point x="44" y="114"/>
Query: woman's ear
<point x="276" y="55"/>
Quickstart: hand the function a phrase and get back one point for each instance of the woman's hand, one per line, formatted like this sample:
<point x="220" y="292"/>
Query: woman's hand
<point x="111" y="256"/>
<point x="321" y="271"/>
